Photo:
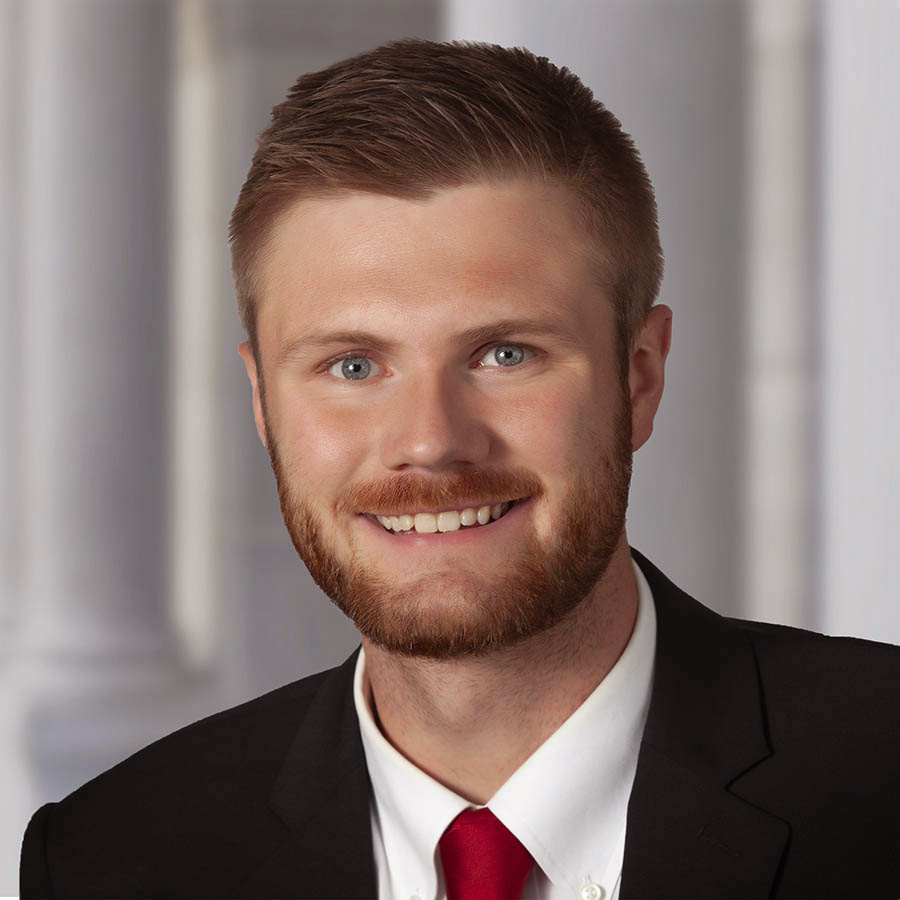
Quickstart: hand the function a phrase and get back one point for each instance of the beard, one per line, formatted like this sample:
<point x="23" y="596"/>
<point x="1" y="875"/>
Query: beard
<point x="454" y="613"/>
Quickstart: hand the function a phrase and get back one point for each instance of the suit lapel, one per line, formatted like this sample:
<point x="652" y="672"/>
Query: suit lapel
<point x="689" y="833"/>
<point x="321" y="796"/>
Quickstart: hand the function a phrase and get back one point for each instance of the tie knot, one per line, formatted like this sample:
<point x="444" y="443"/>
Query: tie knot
<point x="482" y="858"/>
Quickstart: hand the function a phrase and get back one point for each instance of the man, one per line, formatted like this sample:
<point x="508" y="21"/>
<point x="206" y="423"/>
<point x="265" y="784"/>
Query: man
<point x="446" y="258"/>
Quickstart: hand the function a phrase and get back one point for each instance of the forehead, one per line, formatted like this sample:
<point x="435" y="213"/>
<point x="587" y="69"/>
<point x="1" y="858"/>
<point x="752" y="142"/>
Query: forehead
<point x="472" y="254"/>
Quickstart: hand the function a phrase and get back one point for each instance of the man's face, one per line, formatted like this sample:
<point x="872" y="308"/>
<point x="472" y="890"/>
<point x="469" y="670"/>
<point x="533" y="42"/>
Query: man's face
<point x="444" y="355"/>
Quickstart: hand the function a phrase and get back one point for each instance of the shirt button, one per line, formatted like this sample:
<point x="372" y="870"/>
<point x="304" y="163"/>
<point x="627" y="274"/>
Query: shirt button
<point x="592" y="892"/>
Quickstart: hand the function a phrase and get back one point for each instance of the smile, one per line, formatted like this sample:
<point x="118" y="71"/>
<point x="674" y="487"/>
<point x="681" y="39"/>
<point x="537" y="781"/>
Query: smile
<point x="445" y="521"/>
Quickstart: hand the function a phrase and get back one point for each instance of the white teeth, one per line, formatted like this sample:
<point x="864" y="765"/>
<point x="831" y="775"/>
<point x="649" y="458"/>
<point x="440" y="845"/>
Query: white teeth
<point x="425" y="523"/>
<point x="450" y="520"/>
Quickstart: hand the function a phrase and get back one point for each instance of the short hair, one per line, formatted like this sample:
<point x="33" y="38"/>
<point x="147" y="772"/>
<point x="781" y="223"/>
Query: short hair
<point x="413" y="117"/>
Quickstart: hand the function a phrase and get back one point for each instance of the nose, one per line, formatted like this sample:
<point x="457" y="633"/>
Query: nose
<point x="434" y="421"/>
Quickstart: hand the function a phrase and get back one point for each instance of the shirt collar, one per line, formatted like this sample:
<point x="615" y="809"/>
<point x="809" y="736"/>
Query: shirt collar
<point x="567" y="803"/>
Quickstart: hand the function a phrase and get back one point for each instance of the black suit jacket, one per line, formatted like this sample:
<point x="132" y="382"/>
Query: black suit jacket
<point x="769" y="767"/>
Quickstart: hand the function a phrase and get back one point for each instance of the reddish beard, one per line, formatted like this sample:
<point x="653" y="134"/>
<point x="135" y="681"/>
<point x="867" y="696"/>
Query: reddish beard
<point x="444" y="615"/>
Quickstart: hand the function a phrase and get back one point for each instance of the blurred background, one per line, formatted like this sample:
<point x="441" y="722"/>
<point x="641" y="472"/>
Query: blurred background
<point x="147" y="578"/>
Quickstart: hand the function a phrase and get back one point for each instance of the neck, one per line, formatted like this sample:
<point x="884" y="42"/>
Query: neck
<point x="470" y="723"/>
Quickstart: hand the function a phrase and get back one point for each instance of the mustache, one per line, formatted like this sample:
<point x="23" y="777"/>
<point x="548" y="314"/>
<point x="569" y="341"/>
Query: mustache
<point x="466" y="488"/>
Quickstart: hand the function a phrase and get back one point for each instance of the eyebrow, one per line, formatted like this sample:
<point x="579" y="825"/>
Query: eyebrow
<point x="318" y="341"/>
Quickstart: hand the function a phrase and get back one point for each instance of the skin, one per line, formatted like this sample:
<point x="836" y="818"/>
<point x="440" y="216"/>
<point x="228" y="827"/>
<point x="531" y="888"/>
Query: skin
<point x="437" y="419"/>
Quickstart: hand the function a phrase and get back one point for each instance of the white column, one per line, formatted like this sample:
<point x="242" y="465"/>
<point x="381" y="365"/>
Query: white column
<point x="96" y="656"/>
<point x="779" y="339"/>
<point x="11" y="315"/>
<point x="198" y="238"/>
<point x="860" y="312"/>
<point x="14" y="807"/>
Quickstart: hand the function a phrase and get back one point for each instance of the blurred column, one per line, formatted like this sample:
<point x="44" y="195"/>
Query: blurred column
<point x="14" y="791"/>
<point x="96" y="655"/>
<point x="11" y="312"/>
<point x="860" y="309"/>
<point x="779" y="338"/>
<point x="198" y="237"/>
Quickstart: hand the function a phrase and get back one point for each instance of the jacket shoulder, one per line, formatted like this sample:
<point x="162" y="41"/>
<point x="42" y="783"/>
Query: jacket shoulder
<point x="259" y="728"/>
<point x="838" y="664"/>
<point x="173" y="807"/>
<point x="829" y="689"/>
<point x="832" y="713"/>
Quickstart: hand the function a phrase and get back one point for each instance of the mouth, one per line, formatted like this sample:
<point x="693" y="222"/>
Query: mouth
<point x="464" y="518"/>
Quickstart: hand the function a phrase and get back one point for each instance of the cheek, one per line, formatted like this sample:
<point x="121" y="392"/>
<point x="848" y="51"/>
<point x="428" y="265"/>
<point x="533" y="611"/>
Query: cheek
<point x="552" y="432"/>
<point x="322" y="443"/>
<point x="550" y="423"/>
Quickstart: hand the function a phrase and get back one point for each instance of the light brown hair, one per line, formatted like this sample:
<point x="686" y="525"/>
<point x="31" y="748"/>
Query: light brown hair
<point x="413" y="117"/>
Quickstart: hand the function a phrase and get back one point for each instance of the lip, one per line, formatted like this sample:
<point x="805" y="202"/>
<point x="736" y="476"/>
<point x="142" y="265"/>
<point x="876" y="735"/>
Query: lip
<point x="460" y="538"/>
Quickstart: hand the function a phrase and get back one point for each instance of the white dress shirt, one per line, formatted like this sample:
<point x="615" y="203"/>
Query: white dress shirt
<point x="566" y="803"/>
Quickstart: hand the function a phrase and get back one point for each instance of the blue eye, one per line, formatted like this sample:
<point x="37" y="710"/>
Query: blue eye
<point x="506" y="355"/>
<point x="353" y="368"/>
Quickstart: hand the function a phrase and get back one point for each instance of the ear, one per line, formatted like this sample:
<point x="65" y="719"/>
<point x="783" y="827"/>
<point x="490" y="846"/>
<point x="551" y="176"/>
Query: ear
<point x="646" y="375"/>
<point x="258" y="417"/>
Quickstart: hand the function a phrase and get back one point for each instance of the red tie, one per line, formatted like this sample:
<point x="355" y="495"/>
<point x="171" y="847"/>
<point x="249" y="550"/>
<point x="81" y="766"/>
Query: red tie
<point x="482" y="858"/>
